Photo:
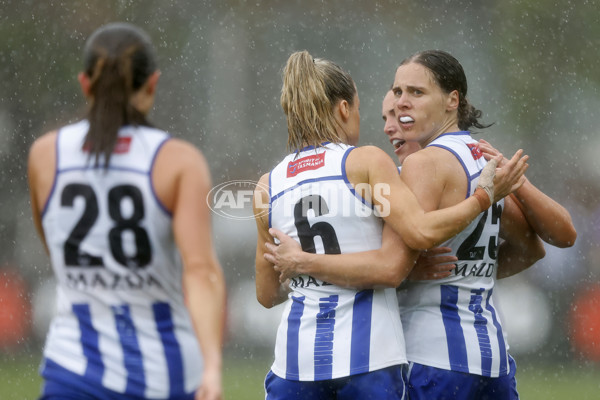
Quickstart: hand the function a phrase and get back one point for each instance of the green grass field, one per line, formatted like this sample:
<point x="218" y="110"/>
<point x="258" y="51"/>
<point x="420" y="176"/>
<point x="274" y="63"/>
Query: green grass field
<point x="243" y="380"/>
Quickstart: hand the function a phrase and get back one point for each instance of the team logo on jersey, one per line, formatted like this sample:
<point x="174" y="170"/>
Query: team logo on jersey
<point x="236" y="199"/>
<point x="475" y="151"/>
<point x="308" y="163"/>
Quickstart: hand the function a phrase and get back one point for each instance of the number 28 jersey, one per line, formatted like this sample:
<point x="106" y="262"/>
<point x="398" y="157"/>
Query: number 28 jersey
<point x="452" y="323"/>
<point x="121" y="322"/>
<point x="327" y="331"/>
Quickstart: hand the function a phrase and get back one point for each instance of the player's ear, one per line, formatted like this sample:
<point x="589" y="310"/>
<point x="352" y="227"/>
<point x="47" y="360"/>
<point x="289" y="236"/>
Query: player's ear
<point x="152" y="82"/>
<point x="84" y="82"/>
<point x="452" y="101"/>
<point x="344" y="109"/>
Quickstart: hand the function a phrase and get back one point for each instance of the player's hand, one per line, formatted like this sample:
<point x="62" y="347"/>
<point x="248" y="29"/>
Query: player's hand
<point x="287" y="257"/>
<point x="433" y="264"/>
<point x="510" y="176"/>
<point x="210" y="387"/>
<point x="490" y="152"/>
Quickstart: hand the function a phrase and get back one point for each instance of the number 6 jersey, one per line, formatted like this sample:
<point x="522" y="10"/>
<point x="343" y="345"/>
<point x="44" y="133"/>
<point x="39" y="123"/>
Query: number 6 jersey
<point x="452" y="323"/>
<point x="327" y="331"/>
<point x="121" y="322"/>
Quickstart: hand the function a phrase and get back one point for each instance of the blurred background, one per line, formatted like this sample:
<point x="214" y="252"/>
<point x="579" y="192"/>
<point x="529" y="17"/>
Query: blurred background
<point x="533" y="68"/>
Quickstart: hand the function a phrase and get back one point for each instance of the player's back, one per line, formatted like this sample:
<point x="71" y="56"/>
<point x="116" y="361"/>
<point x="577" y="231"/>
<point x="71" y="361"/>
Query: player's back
<point x="121" y="321"/>
<point x="452" y="323"/>
<point x="327" y="331"/>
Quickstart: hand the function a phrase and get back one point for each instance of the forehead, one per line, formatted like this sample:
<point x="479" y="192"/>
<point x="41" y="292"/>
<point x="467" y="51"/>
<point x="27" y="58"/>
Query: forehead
<point x="388" y="100"/>
<point x="413" y="74"/>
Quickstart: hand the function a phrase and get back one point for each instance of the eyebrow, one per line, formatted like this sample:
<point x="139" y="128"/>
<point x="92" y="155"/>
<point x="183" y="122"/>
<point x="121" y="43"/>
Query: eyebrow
<point x="410" y="88"/>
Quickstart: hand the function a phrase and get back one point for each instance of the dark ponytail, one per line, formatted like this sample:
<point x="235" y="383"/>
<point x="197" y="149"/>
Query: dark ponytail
<point x="118" y="59"/>
<point x="449" y="75"/>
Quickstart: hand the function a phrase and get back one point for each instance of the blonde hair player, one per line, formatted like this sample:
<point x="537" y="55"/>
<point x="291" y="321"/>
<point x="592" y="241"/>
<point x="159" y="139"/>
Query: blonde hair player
<point x="333" y="340"/>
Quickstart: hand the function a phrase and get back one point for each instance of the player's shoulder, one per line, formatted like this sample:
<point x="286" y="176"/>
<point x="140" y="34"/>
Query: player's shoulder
<point x="42" y="150"/>
<point x="45" y="142"/>
<point x="262" y="187"/>
<point x="180" y="152"/>
<point x="367" y="156"/>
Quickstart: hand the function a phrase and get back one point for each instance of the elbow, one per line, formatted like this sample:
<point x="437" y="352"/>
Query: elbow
<point x="392" y="279"/>
<point x="400" y="273"/>
<point x="397" y="272"/>
<point x="567" y="239"/>
<point x="265" y="301"/>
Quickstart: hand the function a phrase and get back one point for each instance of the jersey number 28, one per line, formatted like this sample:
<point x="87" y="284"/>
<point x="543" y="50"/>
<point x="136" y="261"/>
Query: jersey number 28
<point x="74" y="256"/>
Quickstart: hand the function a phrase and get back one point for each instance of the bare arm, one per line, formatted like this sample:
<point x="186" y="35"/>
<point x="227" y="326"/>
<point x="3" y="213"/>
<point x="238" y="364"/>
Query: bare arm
<point x="522" y="247"/>
<point x="387" y="266"/>
<point x="269" y="291"/>
<point x="433" y="264"/>
<point x="420" y="229"/>
<point x="551" y="221"/>
<point x="41" y="166"/>
<point x="203" y="281"/>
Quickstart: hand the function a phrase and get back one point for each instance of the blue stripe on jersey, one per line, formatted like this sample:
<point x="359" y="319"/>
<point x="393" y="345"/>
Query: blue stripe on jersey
<point x="469" y="177"/>
<point x="94" y="370"/>
<point x="60" y="383"/>
<point x="348" y="184"/>
<point x="483" y="337"/>
<point x="323" y="353"/>
<point x="132" y="355"/>
<point x="457" y="348"/>
<point x="323" y="178"/>
<point x="502" y="346"/>
<point x="459" y="133"/>
<point x="361" y="332"/>
<point x="293" y="335"/>
<point x="312" y="147"/>
<point x="160" y="204"/>
<point x="166" y="329"/>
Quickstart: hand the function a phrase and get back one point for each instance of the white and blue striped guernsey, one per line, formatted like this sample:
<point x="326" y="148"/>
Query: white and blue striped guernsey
<point x="452" y="323"/>
<point x="121" y="322"/>
<point x="326" y="331"/>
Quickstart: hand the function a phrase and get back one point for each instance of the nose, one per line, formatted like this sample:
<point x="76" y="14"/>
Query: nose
<point x="390" y="126"/>
<point x="401" y="101"/>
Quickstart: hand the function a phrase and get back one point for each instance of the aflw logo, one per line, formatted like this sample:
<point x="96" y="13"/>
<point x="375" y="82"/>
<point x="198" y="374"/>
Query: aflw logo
<point x="234" y="199"/>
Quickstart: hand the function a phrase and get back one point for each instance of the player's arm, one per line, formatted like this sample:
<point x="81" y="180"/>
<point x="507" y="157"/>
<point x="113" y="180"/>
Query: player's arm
<point x="41" y="167"/>
<point x="269" y="291"/>
<point x="521" y="247"/>
<point x="203" y="280"/>
<point x="420" y="229"/>
<point x="387" y="266"/>
<point x="550" y="220"/>
<point x="434" y="263"/>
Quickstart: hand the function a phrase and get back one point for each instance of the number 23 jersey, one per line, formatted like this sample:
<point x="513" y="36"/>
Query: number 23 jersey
<point x="121" y="322"/>
<point x="327" y="331"/>
<point x="452" y="323"/>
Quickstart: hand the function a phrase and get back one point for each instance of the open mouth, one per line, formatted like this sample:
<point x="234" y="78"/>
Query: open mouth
<point x="397" y="143"/>
<point x="406" y="120"/>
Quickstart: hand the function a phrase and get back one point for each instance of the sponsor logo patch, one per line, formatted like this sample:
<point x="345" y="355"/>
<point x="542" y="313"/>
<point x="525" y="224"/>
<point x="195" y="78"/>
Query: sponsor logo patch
<point x="305" y="164"/>
<point x="475" y="151"/>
